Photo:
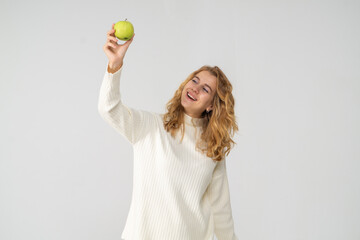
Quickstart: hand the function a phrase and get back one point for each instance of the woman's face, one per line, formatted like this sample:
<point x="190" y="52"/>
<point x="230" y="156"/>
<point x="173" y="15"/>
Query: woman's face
<point x="202" y="88"/>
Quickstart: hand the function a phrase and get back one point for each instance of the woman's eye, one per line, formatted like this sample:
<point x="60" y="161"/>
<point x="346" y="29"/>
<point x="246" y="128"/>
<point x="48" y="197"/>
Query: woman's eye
<point x="203" y="88"/>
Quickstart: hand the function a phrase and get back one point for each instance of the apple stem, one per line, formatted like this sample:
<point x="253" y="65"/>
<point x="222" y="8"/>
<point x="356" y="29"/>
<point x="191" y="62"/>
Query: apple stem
<point x="125" y="19"/>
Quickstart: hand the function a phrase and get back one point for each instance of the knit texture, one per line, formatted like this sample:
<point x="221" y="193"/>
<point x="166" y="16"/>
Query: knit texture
<point x="178" y="192"/>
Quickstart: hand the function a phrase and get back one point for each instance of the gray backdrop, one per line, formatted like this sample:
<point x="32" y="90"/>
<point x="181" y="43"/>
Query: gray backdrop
<point x="294" y="65"/>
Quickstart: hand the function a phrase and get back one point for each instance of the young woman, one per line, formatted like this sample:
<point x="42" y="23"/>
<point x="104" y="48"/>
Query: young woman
<point x="180" y="184"/>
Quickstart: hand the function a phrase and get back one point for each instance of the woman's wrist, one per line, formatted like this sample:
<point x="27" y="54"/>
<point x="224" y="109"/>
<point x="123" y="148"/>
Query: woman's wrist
<point x="112" y="68"/>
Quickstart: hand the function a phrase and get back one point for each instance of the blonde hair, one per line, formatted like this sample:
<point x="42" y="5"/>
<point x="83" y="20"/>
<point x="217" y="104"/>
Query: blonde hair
<point x="220" y="124"/>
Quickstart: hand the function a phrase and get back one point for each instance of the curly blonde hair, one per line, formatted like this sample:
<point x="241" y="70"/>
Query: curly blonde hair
<point x="220" y="124"/>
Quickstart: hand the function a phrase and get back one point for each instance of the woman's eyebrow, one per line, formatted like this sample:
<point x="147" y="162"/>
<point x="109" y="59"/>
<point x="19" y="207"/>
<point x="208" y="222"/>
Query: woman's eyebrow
<point x="205" y="83"/>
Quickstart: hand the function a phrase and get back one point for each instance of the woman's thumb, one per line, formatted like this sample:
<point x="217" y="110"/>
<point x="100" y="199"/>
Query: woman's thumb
<point x="129" y="41"/>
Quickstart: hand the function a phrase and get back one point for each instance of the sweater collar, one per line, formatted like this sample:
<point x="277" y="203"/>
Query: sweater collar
<point x="193" y="121"/>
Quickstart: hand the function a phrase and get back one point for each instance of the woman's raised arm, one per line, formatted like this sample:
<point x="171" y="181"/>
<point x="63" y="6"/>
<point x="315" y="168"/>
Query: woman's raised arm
<point x="131" y="123"/>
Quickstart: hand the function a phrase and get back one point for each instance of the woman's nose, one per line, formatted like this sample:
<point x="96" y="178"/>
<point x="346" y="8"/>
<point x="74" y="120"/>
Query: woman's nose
<point x="196" y="89"/>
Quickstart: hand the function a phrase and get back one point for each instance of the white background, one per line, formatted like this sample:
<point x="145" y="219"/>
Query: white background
<point x="294" y="66"/>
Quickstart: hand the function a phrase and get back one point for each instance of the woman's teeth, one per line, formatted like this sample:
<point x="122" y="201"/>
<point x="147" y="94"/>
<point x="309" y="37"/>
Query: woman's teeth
<point x="190" y="97"/>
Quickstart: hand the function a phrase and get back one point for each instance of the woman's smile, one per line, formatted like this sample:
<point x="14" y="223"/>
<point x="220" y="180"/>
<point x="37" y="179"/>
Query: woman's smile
<point x="191" y="96"/>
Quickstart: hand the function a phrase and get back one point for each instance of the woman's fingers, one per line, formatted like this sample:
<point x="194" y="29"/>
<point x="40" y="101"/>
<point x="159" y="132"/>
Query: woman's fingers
<point x="113" y="38"/>
<point x="111" y="32"/>
<point x="109" y="42"/>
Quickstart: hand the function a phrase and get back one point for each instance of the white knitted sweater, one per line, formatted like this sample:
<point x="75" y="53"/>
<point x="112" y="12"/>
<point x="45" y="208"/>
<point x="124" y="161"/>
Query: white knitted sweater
<point x="178" y="192"/>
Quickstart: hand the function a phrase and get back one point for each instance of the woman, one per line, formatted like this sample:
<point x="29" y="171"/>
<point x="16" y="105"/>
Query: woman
<point x="180" y="185"/>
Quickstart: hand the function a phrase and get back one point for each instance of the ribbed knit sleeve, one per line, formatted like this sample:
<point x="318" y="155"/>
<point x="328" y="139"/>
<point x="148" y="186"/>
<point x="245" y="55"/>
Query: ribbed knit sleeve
<point x="220" y="203"/>
<point x="131" y="123"/>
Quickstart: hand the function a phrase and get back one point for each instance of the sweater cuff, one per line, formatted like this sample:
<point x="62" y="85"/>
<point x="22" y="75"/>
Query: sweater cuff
<point x="115" y="74"/>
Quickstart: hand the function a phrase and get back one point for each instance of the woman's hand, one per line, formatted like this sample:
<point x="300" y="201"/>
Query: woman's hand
<point x="114" y="51"/>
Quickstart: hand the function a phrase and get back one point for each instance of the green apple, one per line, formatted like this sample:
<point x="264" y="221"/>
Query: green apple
<point x="124" y="30"/>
